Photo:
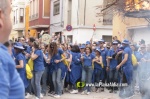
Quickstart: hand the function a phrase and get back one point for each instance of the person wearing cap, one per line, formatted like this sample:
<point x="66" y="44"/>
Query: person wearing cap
<point x="20" y="61"/>
<point x="111" y="66"/>
<point x="143" y="53"/>
<point x="98" y="67"/>
<point x="82" y="49"/>
<point x="143" y="72"/>
<point x="88" y="43"/>
<point x="94" y="47"/>
<point x="104" y="52"/>
<point x="127" y="68"/>
<point x="135" y="68"/>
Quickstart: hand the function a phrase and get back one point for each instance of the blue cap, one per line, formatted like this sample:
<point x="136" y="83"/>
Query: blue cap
<point x="18" y="45"/>
<point x="88" y="42"/>
<point x="101" y="40"/>
<point x="121" y="48"/>
<point x="125" y="42"/>
<point x="97" y="49"/>
<point x="82" y="46"/>
<point x="114" y="42"/>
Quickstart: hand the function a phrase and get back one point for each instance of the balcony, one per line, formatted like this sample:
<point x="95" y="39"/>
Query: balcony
<point x="34" y="16"/>
<point x="18" y="26"/>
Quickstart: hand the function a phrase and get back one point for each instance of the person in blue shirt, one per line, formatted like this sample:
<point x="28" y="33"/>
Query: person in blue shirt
<point x="9" y="45"/>
<point x="94" y="47"/>
<point x="82" y="49"/>
<point x="135" y="68"/>
<point x="87" y="69"/>
<point x="11" y="85"/>
<point x="76" y="68"/>
<point x="38" y="68"/>
<point x="21" y="63"/>
<point x="127" y="68"/>
<point x="112" y="63"/>
<point x="144" y="72"/>
<point x="68" y="55"/>
<point x="98" y="67"/>
<point x="104" y="52"/>
<point x="28" y="51"/>
<point x="44" y="49"/>
<point x="59" y="69"/>
<point x="68" y="59"/>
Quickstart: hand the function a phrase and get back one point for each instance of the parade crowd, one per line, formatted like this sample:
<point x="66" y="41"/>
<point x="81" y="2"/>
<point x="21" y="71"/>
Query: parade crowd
<point x="30" y="67"/>
<point x="63" y="67"/>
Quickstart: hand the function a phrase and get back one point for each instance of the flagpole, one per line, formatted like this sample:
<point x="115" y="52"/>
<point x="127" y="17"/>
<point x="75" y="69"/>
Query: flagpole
<point x="94" y="28"/>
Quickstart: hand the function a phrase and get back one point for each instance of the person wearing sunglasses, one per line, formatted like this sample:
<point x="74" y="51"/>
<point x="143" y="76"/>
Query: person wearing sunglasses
<point x="104" y="52"/>
<point x="38" y="69"/>
<point x="58" y="68"/>
<point x="127" y="68"/>
<point x="111" y="65"/>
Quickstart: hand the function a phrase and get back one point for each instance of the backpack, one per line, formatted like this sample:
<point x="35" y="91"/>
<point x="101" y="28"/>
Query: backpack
<point x="28" y="72"/>
<point x="134" y="60"/>
<point x="30" y="63"/>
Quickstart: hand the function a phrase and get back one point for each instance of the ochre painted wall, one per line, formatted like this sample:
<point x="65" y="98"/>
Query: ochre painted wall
<point x="33" y="32"/>
<point x="121" y="25"/>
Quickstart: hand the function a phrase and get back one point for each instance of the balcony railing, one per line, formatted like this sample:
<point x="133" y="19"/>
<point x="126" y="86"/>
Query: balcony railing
<point x="34" y="16"/>
<point x="107" y="21"/>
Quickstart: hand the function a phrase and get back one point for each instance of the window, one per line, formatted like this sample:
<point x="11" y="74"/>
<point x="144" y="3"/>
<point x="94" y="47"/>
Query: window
<point x="69" y="11"/>
<point x="69" y="39"/>
<point x="33" y="7"/>
<point x="21" y="15"/>
<point x="14" y="18"/>
<point x="107" y="18"/>
<point x="46" y="8"/>
<point x="56" y="8"/>
<point x="107" y="38"/>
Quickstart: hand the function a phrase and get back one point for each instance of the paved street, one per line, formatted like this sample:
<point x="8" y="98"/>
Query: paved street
<point x="93" y="95"/>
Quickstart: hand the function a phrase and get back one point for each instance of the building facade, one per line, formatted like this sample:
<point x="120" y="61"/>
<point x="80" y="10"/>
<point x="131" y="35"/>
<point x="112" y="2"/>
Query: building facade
<point x="82" y="16"/>
<point x="134" y="22"/>
<point x="133" y="29"/>
<point x="18" y="18"/>
<point x="39" y="17"/>
<point x="28" y="31"/>
<point x="57" y="14"/>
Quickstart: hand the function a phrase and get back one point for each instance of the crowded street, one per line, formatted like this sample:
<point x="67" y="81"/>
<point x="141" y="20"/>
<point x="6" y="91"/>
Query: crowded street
<point x="74" y="49"/>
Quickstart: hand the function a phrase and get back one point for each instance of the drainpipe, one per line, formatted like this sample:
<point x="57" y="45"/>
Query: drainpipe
<point x="84" y="12"/>
<point x="62" y="22"/>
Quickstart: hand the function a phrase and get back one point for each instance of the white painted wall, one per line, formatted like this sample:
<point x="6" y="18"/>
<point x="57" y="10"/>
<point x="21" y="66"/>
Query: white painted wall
<point x="17" y="4"/>
<point x="57" y="20"/>
<point x="81" y="35"/>
<point x="79" y="32"/>
<point x="142" y="33"/>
